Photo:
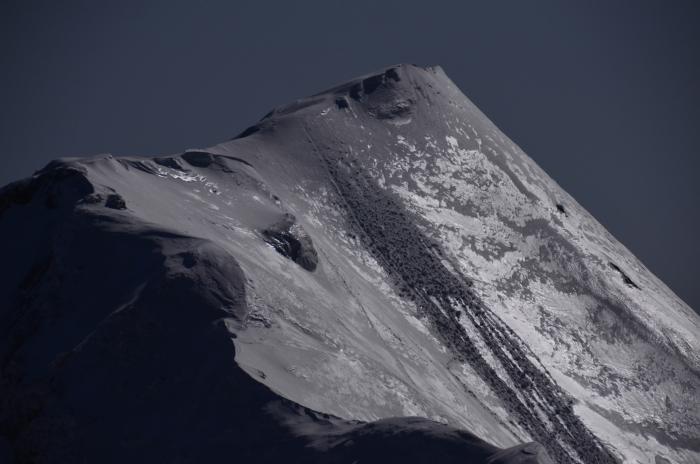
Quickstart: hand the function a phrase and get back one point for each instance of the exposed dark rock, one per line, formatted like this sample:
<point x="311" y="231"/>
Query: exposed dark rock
<point x="115" y="201"/>
<point x="341" y="103"/>
<point x="248" y="132"/>
<point x="291" y="241"/>
<point x="200" y="159"/>
<point x="19" y="193"/>
<point x="625" y="278"/>
<point x="170" y="162"/>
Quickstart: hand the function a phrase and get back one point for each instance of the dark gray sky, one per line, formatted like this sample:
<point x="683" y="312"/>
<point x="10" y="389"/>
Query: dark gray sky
<point x="605" y="95"/>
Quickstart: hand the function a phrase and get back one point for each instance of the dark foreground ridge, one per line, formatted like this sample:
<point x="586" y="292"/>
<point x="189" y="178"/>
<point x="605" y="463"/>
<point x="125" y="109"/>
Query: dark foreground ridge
<point x="150" y="376"/>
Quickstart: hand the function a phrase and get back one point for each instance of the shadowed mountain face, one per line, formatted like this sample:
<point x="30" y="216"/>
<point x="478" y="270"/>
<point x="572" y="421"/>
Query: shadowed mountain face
<point x="363" y="276"/>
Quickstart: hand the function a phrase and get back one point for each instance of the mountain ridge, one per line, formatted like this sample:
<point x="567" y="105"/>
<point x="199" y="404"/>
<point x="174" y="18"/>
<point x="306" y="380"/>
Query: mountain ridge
<point x="451" y="278"/>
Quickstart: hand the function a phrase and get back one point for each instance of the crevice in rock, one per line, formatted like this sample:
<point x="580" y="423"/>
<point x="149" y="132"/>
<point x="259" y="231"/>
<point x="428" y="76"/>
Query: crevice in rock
<point x="625" y="278"/>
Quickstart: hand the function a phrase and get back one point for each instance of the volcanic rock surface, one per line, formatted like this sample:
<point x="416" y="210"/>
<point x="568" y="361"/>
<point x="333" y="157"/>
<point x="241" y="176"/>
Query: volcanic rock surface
<point x="371" y="274"/>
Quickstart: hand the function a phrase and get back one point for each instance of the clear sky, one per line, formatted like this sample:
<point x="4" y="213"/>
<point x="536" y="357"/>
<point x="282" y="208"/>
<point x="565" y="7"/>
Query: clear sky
<point x="604" y="95"/>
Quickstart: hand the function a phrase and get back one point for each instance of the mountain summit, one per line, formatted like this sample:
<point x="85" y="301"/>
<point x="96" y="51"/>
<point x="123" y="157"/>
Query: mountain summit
<point x="371" y="274"/>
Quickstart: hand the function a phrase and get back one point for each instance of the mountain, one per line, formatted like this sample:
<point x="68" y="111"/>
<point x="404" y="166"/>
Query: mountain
<point x="371" y="274"/>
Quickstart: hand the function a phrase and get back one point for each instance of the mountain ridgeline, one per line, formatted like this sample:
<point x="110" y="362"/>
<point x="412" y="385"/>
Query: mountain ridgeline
<point x="371" y="274"/>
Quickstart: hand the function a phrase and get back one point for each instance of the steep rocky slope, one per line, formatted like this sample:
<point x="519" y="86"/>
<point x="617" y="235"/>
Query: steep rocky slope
<point x="371" y="253"/>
